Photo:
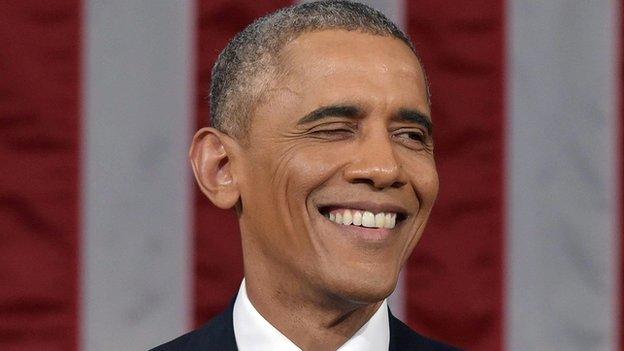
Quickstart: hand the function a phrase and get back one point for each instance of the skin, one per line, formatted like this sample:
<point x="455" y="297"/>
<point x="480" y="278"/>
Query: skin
<point x="317" y="281"/>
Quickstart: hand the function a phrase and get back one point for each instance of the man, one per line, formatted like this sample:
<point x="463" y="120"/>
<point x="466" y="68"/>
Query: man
<point x="322" y="142"/>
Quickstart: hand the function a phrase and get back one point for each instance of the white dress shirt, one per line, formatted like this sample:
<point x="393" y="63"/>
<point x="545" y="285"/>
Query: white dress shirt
<point x="254" y="333"/>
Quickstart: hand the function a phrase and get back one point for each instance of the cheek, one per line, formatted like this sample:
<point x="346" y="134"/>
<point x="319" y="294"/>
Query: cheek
<point x="284" y="176"/>
<point x="288" y="180"/>
<point x="424" y="177"/>
<point x="303" y="168"/>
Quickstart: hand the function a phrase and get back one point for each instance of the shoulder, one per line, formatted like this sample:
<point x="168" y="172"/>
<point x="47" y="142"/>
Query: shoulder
<point x="403" y="337"/>
<point x="218" y="334"/>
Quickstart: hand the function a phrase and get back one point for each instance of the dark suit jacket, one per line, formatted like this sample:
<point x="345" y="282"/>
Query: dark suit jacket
<point x="218" y="335"/>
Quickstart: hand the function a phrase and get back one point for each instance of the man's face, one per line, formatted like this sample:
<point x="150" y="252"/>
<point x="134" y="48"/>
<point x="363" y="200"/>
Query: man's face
<point x="342" y="133"/>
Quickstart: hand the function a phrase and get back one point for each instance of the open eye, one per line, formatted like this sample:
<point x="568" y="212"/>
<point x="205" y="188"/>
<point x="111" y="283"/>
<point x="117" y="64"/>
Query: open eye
<point x="413" y="135"/>
<point x="412" y="138"/>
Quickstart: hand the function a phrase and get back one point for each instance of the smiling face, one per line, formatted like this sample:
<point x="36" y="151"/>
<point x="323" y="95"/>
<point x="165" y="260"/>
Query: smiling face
<point x="337" y="178"/>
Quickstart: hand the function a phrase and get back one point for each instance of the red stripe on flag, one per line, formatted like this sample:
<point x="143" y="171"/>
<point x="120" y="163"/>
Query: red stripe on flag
<point x="620" y="118"/>
<point x="218" y="256"/>
<point x="39" y="181"/>
<point x="454" y="280"/>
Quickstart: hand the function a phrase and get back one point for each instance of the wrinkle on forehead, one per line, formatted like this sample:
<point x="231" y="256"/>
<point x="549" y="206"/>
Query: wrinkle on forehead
<point x="280" y="89"/>
<point x="341" y="45"/>
<point x="348" y="53"/>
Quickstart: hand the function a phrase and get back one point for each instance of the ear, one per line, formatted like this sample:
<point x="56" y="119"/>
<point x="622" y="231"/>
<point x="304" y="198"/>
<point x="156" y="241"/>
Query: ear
<point x="211" y="158"/>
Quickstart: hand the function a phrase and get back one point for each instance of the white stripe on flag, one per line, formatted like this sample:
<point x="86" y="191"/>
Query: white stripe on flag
<point x="562" y="246"/>
<point x="138" y="81"/>
<point x="394" y="9"/>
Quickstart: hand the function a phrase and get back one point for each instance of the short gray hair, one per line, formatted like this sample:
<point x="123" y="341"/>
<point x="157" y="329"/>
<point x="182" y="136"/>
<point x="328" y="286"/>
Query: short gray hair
<point x="240" y="74"/>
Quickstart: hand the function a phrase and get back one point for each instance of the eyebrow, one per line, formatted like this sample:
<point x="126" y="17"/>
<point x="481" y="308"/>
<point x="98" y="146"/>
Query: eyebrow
<point x="348" y="111"/>
<point x="415" y="116"/>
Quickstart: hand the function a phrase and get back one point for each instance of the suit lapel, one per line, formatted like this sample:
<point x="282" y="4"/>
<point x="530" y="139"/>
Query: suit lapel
<point x="224" y="331"/>
<point x="403" y="338"/>
<point x="217" y="335"/>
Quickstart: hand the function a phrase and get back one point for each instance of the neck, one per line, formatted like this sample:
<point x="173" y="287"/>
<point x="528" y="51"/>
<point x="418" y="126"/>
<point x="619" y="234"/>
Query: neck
<point x="311" y="322"/>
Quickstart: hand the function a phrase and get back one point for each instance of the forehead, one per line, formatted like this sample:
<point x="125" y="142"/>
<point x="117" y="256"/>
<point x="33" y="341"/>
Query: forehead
<point x="342" y="44"/>
<point x="339" y="62"/>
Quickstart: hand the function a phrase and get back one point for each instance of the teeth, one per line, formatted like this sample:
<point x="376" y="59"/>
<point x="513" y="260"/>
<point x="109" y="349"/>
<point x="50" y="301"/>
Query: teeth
<point x="380" y="219"/>
<point x="357" y="218"/>
<point x="368" y="219"/>
<point x="390" y="220"/>
<point x="346" y="218"/>
<point x="363" y="218"/>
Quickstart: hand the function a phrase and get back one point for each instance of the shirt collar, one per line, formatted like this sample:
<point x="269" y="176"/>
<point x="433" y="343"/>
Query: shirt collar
<point x="254" y="333"/>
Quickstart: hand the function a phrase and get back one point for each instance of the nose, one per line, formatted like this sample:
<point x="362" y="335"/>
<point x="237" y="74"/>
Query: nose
<point x="376" y="164"/>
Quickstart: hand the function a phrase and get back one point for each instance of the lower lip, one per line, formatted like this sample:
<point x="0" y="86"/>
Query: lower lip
<point x="362" y="233"/>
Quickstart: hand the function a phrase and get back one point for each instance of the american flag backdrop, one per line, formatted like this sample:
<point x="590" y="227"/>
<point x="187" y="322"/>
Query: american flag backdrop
<point x="106" y="244"/>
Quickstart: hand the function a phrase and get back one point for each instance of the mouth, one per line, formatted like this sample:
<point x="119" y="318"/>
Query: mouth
<point x="363" y="215"/>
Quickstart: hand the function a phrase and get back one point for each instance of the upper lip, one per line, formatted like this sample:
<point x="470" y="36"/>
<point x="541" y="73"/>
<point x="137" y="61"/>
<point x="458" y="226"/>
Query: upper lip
<point x="371" y="206"/>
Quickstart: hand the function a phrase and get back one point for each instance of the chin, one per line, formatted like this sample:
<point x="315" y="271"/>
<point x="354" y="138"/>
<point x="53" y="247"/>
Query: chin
<point x="362" y="286"/>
